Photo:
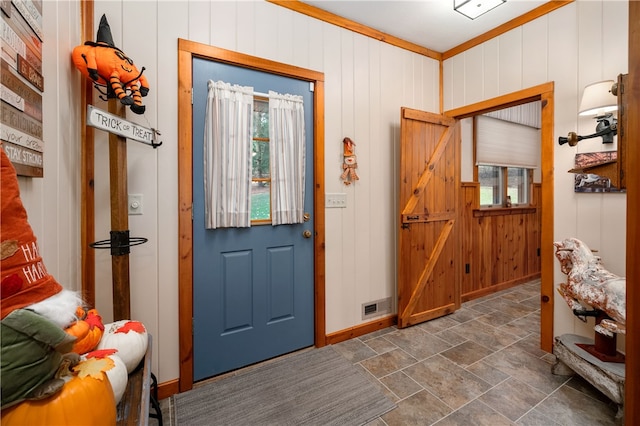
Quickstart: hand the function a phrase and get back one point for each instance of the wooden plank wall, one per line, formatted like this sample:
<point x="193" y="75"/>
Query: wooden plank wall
<point x="500" y="249"/>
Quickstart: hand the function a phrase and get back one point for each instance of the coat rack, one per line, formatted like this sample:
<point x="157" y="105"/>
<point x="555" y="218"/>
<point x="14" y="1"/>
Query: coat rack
<point x="120" y="242"/>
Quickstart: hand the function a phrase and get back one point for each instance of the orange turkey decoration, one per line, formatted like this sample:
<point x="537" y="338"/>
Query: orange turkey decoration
<point x="88" y="330"/>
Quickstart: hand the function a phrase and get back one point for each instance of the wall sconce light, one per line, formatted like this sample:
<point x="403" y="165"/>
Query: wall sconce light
<point x="598" y="100"/>
<point x="474" y="8"/>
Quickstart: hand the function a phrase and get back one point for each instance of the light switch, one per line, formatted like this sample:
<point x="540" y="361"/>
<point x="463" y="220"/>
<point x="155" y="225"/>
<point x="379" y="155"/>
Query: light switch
<point x="135" y="204"/>
<point x="336" y="200"/>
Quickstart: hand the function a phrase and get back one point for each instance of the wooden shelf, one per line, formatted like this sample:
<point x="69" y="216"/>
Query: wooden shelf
<point x="608" y="169"/>
<point x="133" y="409"/>
<point x="614" y="169"/>
<point x="503" y="211"/>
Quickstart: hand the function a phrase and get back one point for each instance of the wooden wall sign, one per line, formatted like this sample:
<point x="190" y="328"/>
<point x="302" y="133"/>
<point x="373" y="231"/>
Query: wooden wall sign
<point x="21" y="85"/>
<point x="119" y="126"/>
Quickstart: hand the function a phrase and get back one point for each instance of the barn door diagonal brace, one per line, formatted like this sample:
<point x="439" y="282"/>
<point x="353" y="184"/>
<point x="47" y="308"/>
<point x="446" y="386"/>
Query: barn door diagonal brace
<point x="426" y="175"/>
<point x="428" y="268"/>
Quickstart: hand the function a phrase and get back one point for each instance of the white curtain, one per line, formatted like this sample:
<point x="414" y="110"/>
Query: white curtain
<point x="287" y="140"/>
<point x="227" y="155"/>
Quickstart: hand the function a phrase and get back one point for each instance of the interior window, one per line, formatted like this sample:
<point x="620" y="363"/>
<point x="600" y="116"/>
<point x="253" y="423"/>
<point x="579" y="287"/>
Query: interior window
<point x="261" y="177"/>
<point x="500" y="186"/>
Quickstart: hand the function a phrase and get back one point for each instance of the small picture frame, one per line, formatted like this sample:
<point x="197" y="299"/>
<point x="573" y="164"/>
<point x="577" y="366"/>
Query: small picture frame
<point x="589" y="182"/>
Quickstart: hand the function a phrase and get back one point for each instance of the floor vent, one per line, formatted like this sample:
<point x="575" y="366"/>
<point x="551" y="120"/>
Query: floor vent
<point x="376" y="308"/>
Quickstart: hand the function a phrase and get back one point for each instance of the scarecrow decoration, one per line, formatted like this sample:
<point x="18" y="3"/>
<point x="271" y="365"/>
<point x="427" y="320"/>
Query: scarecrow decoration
<point x="350" y="163"/>
<point x="111" y="68"/>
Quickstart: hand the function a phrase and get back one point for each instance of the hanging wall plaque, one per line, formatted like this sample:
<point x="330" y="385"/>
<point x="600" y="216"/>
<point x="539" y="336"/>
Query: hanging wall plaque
<point x="22" y="85"/>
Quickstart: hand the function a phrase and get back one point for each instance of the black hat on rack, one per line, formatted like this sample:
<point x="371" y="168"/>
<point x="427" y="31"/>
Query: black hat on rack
<point x="104" y="32"/>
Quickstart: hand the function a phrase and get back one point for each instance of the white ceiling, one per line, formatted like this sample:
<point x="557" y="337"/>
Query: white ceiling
<point x="429" y="23"/>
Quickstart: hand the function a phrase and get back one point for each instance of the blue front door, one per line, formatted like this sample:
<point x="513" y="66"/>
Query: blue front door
<point x="252" y="287"/>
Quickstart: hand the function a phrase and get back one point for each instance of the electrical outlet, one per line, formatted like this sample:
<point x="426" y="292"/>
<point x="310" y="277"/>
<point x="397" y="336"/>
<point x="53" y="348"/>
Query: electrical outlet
<point x="135" y="204"/>
<point x="337" y="200"/>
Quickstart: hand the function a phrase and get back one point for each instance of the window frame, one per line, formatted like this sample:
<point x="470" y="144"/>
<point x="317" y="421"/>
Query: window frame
<point x="504" y="187"/>
<point x="527" y="186"/>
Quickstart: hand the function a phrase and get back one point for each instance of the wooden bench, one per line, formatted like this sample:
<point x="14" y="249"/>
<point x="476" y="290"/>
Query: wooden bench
<point x="141" y="392"/>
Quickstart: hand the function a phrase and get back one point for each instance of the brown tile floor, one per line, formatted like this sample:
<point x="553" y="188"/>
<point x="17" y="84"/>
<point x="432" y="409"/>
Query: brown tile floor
<point x="481" y="365"/>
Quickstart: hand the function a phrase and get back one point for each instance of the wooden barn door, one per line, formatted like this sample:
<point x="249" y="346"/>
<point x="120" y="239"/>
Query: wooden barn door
<point x="429" y="250"/>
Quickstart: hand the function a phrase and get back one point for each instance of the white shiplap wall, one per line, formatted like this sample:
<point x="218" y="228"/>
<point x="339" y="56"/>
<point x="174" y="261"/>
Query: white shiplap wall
<point x="578" y="44"/>
<point x="366" y="84"/>
<point x="53" y="202"/>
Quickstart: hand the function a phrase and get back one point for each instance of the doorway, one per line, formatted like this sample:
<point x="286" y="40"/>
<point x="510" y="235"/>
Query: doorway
<point x="252" y="287"/>
<point x="187" y="51"/>
<point x="545" y="94"/>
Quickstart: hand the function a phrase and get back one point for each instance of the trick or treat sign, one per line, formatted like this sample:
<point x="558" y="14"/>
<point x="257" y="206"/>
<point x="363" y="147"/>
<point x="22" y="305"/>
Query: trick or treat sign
<point x="21" y="85"/>
<point x="119" y="126"/>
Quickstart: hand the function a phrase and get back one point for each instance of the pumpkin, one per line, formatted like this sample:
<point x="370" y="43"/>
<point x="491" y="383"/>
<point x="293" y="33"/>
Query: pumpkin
<point x="117" y="373"/>
<point x="129" y="338"/>
<point x="78" y="329"/>
<point x="88" y="331"/>
<point x="85" y="399"/>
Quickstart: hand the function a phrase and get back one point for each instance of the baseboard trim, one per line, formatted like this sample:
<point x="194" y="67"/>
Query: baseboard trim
<point x="166" y="389"/>
<point x="498" y="287"/>
<point x="361" y="330"/>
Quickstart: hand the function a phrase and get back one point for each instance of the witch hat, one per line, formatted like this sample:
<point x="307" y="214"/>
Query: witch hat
<point x="104" y="33"/>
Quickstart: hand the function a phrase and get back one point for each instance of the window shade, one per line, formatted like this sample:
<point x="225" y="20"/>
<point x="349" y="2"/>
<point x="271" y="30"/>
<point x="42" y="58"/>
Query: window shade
<point x="502" y="143"/>
<point x="528" y="114"/>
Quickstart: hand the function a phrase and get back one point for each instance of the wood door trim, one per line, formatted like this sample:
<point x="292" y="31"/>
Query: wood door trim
<point x="544" y="93"/>
<point x="187" y="50"/>
<point x="632" y="385"/>
<point x="87" y="190"/>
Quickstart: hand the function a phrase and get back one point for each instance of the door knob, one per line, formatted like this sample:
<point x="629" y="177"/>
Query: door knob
<point x="306" y="234"/>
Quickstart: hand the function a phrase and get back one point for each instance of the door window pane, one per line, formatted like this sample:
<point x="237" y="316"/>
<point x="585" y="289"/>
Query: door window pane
<point x="260" y="166"/>
<point x="260" y="159"/>
<point x="260" y="200"/>
<point x="260" y="118"/>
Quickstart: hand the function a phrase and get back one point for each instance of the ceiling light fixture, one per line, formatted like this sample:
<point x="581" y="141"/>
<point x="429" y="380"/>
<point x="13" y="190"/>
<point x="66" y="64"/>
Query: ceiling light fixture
<point x="474" y="8"/>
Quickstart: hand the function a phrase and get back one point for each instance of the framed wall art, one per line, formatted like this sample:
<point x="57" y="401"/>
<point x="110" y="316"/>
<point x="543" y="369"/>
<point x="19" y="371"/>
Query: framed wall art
<point x="22" y="85"/>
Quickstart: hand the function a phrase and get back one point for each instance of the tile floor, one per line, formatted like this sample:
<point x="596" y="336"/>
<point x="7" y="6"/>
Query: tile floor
<point x="481" y="365"/>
